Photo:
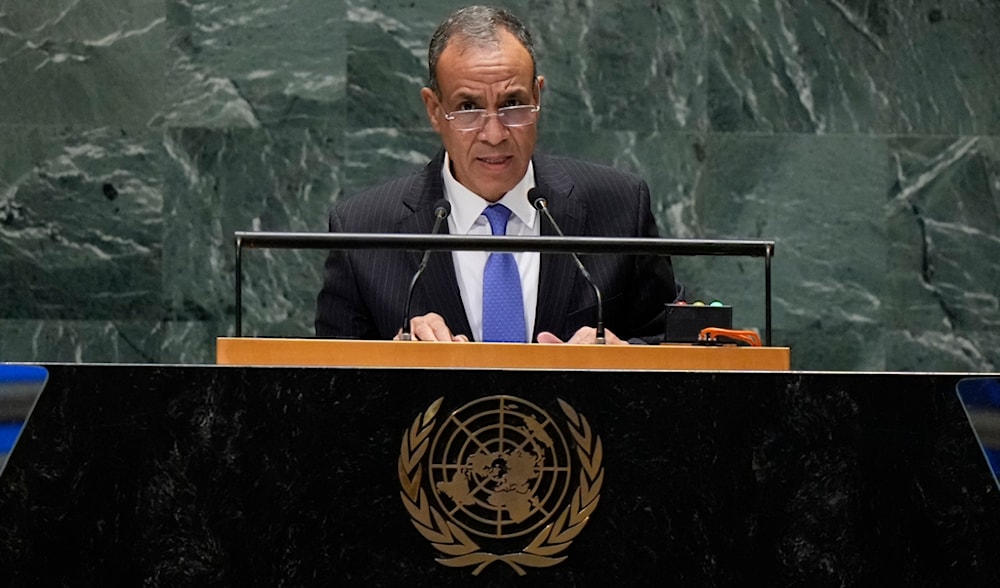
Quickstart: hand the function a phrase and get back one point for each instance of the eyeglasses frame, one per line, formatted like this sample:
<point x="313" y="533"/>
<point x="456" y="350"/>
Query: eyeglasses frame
<point x="484" y="116"/>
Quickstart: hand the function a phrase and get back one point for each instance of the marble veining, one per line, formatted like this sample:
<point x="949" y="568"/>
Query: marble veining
<point x="860" y="136"/>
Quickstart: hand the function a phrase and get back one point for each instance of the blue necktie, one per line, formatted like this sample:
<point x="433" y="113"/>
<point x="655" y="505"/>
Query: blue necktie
<point x="503" y="307"/>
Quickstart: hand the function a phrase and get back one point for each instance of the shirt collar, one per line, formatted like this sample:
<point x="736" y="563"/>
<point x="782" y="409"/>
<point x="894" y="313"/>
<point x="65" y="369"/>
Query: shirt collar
<point x="467" y="206"/>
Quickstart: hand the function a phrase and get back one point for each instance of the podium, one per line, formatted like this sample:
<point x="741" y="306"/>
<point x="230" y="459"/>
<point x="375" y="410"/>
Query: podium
<point x="178" y="475"/>
<point x="418" y="354"/>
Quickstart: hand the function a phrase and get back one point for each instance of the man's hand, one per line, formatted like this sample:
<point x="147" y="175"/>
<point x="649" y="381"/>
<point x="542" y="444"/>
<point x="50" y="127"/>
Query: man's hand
<point x="431" y="327"/>
<point x="584" y="335"/>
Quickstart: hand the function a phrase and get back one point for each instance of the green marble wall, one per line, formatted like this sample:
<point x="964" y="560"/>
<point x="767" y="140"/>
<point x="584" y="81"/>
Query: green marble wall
<point x="863" y="136"/>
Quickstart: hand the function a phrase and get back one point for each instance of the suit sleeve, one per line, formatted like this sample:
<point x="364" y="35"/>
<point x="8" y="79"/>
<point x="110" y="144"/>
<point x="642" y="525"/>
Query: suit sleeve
<point x="340" y="308"/>
<point x="653" y="285"/>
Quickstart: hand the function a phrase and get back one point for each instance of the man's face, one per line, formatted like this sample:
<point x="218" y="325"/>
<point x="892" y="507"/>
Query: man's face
<point x="492" y="160"/>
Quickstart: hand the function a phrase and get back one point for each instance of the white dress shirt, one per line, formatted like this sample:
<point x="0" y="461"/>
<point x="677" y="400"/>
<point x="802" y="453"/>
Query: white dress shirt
<point x="467" y="219"/>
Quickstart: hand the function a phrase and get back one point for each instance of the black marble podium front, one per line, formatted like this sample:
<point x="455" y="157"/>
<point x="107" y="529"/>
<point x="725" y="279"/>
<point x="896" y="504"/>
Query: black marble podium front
<point x="206" y="475"/>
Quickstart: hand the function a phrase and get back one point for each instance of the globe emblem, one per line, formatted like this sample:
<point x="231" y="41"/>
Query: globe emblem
<point x="500" y="467"/>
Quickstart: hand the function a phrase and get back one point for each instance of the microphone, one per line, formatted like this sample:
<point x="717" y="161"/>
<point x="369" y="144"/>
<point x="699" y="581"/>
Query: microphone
<point x="537" y="199"/>
<point x="442" y="208"/>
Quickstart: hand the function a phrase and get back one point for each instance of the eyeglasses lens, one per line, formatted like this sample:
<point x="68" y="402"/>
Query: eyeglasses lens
<point x="511" y="116"/>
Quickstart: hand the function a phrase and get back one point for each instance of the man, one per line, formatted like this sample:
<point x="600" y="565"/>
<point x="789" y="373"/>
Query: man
<point x="483" y="99"/>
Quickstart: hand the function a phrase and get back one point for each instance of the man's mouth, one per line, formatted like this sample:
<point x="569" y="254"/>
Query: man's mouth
<point x="495" y="159"/>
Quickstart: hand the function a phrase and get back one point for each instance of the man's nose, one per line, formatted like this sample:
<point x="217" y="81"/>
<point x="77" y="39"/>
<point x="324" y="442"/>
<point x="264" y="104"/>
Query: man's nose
<point x="493" y="130"/>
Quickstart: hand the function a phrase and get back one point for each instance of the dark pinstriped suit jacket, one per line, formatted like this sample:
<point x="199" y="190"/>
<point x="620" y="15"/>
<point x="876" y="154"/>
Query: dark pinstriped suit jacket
<point x="364" y="292"/>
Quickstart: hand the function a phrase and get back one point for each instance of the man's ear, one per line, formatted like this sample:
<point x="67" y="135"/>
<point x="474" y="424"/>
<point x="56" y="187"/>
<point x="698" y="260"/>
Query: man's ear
<point x="433" y="107"/>
<point x="538" y="88"/>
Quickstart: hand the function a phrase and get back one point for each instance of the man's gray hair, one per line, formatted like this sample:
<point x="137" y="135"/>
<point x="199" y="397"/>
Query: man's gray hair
<point x="478" y="26"/>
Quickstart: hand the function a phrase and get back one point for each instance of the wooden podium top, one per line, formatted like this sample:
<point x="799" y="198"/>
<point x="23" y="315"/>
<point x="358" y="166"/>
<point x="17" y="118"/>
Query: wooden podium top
<point x="418" y="354"/>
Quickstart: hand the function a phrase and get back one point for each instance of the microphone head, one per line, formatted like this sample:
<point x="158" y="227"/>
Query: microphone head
<point x="537" y="198"/>
<point x="442" y="208"/>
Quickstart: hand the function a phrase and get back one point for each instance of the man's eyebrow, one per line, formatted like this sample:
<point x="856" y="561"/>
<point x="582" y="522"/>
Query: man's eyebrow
<point x="519" y="93"/>
<point x="464" y="97"/>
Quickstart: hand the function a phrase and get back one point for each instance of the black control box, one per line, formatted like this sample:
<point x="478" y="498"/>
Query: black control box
<point x="685" y="321"/>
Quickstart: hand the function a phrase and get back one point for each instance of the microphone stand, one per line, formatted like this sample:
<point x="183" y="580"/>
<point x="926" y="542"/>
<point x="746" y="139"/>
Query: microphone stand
<point x="441" y="211"/>
<point x="542" y="205"/>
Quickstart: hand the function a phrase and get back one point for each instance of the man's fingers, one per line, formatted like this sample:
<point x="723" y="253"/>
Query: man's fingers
<point x="612" y="339"/>
<point x="547" y="337"/>
<point x="583" y="336"/>
<point x="431" y="327"/>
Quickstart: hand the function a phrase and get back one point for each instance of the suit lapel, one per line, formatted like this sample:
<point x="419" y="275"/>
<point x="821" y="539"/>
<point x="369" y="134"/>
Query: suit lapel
<point x="558" y="273"/>
<point x="439" y="284"/>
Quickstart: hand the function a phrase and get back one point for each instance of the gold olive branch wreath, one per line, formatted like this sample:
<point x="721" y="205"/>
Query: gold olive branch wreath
<point x="450" y="539"/>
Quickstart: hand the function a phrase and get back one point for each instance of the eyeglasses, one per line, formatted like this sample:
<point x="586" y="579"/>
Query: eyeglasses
<point x="475" y="120"/>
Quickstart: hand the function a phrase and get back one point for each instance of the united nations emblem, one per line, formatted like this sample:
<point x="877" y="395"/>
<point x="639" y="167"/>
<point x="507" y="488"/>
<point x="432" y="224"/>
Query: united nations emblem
<point x="498" y="480"/>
